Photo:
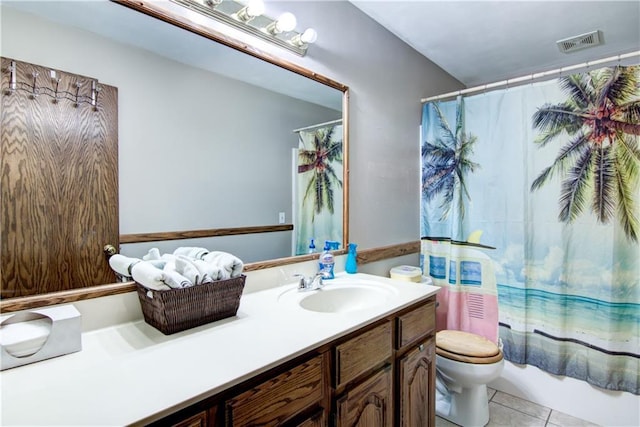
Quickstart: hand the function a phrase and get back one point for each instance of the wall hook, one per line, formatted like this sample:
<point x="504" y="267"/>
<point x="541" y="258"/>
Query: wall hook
<point x="56" y="82"/>
<point x="95" y="91"/>
<point x="77" y="103"/>
<point x="34" y="88"/>
<point x="12" y="78"/>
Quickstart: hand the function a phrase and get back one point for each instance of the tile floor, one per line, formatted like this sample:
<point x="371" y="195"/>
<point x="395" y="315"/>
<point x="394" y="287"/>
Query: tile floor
<point x="506" y="410"/>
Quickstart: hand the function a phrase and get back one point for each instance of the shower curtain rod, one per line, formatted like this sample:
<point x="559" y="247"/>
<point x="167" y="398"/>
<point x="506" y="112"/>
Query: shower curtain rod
<point x="529" y="78"/>
<point x="319" y="125"/>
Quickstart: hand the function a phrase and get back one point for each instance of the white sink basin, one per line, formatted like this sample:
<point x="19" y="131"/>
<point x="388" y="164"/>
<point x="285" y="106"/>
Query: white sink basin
<point x="340" y="296"/>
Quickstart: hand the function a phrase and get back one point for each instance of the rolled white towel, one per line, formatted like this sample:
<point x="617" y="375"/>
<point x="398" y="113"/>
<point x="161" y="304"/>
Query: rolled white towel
<point x="175" y="280"/>
<point x="185" y="266"/>
<point x="157" y="263"/>
<point x="122" y="264"/>
<point x="148" y="276"/>
<point x="191" y="252"/>
<point x="170" y="265"/>
<point x="153" y="253"/>
<point x="208" y="271"/>
<point x="169" y="258"/>
<point x="228" y="262"/>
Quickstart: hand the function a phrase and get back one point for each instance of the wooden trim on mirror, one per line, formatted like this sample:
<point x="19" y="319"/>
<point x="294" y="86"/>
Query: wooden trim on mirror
<point x="345" y="165"/>
<point x="196" y="234"/>
<point x="25" y="303"/>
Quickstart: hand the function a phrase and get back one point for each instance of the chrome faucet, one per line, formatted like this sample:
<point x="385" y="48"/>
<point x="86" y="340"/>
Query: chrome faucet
<point x="310" y="283"/>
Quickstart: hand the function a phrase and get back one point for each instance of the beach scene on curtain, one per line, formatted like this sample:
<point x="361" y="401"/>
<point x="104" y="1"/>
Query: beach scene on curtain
<point x="318" y="193"/>
<point x="547" y="175"/>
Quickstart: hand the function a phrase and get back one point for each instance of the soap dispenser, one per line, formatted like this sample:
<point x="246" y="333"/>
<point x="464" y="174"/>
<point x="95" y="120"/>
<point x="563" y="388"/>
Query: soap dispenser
<point x="351" y="266"/>
<point x="326" y="262"/>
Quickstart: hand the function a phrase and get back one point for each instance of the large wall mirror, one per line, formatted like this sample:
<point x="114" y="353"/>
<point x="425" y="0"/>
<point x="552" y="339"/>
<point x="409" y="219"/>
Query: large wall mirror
<point x="207" y="130"/>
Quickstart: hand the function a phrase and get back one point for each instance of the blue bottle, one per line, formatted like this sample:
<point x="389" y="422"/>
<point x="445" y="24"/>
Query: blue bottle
<point x="312" y="247"/>
<point x="326" y="262"/>
<point x="351" y="266"/>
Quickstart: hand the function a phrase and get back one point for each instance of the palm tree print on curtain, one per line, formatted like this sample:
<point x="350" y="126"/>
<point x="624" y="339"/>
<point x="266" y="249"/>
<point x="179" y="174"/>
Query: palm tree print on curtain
<point x="600" y="162"/>
<point x="320" y="162"/>
<point x="446" y="162"/>
<point x="319" y="187"/>
<point x="568" y="279"/>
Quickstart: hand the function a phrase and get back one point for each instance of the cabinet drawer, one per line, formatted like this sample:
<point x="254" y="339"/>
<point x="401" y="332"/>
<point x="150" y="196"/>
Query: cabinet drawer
<point x="362" y="353"/>
<point x="416" y="324"/>
<point x="282" y="397"/>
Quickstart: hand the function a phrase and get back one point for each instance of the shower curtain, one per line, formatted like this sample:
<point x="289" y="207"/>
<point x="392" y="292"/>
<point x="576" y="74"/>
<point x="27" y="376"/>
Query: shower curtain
<point x="318" y="187"/>
<point x="544" y="180"/>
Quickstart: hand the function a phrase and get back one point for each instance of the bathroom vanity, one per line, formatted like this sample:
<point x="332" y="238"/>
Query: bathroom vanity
<point x="279" y="361"/>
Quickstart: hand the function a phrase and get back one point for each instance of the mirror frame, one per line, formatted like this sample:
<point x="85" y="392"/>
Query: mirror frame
<point x="148" y="8"/>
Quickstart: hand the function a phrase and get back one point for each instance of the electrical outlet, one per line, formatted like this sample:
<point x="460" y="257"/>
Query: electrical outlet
<point x="281" y="218"/>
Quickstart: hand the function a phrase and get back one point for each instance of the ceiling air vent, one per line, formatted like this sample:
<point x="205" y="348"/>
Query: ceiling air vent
<point x="582" y="41"/>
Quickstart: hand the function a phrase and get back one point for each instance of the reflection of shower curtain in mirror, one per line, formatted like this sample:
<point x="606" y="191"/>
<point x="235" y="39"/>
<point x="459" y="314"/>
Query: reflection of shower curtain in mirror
<point x="318" y="187"/>
<point x="548" y="174"/>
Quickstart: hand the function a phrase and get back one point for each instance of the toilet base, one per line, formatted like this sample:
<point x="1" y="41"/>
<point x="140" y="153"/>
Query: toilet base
<point x="470" y="408"/>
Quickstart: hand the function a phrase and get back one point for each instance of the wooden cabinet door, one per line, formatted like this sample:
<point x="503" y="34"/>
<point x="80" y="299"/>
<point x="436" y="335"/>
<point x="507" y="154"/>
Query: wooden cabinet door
<point x="369" y="404"/>
<point x="417" y="386"/>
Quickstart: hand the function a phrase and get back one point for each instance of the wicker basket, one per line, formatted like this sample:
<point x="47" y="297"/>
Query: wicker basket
<point x="175" y="310"/>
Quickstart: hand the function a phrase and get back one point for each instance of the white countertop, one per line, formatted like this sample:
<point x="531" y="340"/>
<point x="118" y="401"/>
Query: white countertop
<point x="132" y="373"/>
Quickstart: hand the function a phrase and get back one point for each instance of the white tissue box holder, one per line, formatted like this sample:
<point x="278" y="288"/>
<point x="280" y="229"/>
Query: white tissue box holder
<point x="65" y="335"/>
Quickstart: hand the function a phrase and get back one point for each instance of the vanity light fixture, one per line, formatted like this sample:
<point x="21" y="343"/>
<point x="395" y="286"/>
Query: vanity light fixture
<point x="249" y="17"/>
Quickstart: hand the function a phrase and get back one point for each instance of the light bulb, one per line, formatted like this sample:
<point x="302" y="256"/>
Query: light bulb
<point x="255" y="7"/>
<point x="302" y="40"/>
<point x="251" y="10"/>
<point x="309" y="36"/>
<point x="286" y="22"/>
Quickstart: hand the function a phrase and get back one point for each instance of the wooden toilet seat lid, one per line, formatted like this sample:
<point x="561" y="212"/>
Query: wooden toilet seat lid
<point x="466" y="347"/>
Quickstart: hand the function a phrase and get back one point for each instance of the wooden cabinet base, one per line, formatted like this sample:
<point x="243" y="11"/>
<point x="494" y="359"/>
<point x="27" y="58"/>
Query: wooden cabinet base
<point x="381" y="375"/>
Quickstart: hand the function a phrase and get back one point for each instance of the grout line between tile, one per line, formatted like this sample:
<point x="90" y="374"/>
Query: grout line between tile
<point x="546" y="423"/>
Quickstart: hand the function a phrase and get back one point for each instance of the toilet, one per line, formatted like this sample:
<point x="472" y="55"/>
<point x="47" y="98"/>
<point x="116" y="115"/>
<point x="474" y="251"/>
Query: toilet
<point x="465" y="363"/>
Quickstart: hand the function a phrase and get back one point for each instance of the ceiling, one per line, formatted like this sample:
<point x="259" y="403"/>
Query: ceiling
<point x="480" y="42"/>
